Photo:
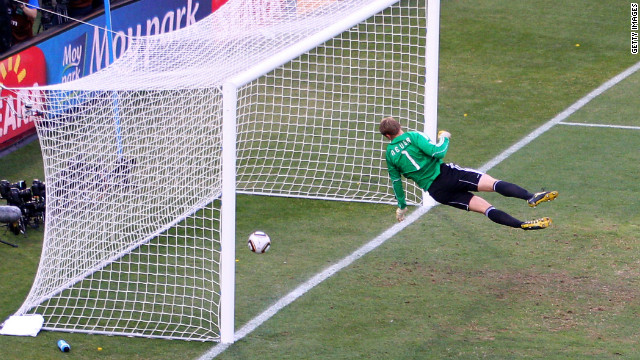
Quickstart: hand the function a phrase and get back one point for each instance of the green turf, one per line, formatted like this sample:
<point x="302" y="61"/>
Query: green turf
<point x="452" y="285"/>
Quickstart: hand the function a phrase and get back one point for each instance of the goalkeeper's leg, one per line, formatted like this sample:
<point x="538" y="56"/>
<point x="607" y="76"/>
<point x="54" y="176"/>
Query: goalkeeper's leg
<point x="482" y="206"/>
<point x="489" y="184"/>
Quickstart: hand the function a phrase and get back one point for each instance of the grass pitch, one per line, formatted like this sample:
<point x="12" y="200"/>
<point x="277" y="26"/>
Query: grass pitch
<point x="453" y="284"/>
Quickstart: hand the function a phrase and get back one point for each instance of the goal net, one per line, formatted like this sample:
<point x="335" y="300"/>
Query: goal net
<point x="143" y="159"/>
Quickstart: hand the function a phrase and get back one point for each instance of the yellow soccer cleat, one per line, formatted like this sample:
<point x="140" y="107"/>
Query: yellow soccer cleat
<point x="538" y="224"/>
<point x="542" y="197"/>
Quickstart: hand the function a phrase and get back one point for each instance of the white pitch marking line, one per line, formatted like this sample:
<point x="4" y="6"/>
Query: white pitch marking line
<point x="602" y="125"/>
<point x="415" y="215"/>
<point x="558" y="118"/>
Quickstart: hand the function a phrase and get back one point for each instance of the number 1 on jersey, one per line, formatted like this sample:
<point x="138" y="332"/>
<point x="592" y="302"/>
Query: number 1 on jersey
<point x="410" y="159"/>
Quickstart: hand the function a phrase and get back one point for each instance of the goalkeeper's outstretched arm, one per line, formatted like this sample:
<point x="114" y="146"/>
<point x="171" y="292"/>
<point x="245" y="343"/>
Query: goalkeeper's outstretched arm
<point x="398" y="190"/>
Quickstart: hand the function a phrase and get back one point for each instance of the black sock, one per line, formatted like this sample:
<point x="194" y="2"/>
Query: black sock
<point x="511" y="190"/>
<point x="502" y="218"/>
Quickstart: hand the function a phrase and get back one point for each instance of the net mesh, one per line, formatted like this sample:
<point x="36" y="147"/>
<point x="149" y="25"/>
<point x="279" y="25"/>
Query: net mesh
<point x="133" y="163"/>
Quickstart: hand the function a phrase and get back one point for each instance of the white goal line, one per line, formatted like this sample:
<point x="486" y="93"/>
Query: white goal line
<point x="415" y="215"/>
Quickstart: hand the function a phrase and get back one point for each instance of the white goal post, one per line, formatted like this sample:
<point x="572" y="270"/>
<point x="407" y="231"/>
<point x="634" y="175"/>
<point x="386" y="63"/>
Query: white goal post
<point x="143" y="159"/>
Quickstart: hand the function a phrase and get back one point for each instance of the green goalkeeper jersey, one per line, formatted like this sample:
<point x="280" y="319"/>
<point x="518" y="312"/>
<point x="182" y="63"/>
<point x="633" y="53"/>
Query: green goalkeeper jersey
<point x="413" y="155"/>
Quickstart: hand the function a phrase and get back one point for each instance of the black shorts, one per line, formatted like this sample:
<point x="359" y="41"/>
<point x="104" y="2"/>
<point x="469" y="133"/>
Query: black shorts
<point x="452" y="187"/>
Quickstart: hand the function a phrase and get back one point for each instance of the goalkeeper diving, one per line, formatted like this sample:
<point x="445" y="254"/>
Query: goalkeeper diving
<point x="412" y="155"/>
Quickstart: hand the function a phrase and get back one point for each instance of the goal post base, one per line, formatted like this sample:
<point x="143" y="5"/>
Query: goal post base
<point x="22" y="325"/>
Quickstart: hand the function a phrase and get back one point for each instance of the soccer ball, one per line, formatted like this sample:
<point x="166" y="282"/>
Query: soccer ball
<point x="259" y="242"/>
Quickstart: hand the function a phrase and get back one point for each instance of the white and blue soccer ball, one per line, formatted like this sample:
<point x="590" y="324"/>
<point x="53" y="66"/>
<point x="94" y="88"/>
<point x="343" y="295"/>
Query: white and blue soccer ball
<point x="259" y="242"/>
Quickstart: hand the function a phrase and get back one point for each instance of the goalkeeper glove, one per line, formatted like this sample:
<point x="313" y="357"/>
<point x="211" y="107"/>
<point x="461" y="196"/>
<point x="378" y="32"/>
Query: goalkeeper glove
<point x="444" y="133"/>
<point x="400" y="213"/>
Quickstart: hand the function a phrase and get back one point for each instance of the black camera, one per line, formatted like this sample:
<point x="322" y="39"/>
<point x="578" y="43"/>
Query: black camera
<point x="31" y="201"/>
<point x="15" y="194"/>
<point x="38" y="188"/>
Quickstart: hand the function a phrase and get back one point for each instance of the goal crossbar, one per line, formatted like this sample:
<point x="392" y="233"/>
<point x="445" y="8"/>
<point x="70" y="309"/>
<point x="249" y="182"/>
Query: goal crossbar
<point x="308" y="43"/>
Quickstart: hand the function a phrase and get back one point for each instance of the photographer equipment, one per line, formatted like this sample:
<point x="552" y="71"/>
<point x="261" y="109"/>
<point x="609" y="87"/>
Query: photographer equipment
<point x="9" y="214"/>
<point x="12" y="216"/>
<point x="31" y="203"/>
